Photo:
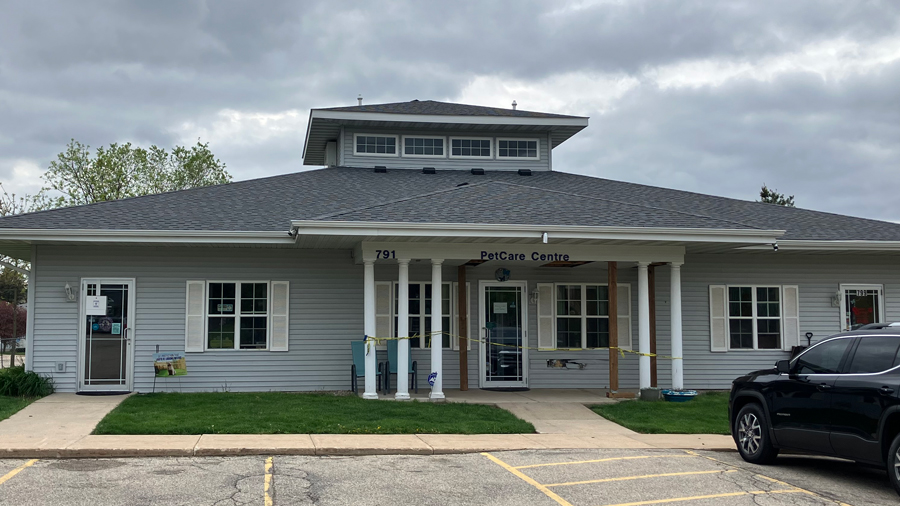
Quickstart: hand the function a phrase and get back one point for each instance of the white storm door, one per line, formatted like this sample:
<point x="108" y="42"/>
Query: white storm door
<point x="503" y="359"/>
<point x="106" y="336"/>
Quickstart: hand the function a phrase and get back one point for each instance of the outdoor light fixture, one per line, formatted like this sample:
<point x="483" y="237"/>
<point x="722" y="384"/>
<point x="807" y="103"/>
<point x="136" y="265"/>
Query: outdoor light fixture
<point x="70" y="294"/>
<point x="545" y="237"/>
<point x="535" y="295"/>
<point x="836" y="299"/>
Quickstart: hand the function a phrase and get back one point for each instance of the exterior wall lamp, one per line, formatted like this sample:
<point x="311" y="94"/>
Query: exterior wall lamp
<point x="70" y="294"/>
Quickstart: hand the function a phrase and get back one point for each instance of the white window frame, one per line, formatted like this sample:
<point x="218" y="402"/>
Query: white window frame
<point x="466" y="138"/>
<point x="397" y="147"/>
<point x="584" y="316"/>
<point x="755" y="318"/>
<point x="860" y="286"/>
<point x="537" y="149"/>
<point x="434" y="137"/>
<point x="423" y="340"/>
<point x="237" y="316"/>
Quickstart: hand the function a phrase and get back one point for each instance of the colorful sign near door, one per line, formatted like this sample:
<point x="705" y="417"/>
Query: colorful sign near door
<point x="170" y="364"/>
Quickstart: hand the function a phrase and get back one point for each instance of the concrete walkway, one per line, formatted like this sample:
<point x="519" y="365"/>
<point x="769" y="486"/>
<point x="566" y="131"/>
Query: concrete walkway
<point x="60" y="426"/>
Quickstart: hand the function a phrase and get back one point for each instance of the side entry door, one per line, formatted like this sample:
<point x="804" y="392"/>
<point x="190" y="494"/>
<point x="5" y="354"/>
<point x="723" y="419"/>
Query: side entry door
<point x="801" y="403"/>
<point x="861" y="395"/>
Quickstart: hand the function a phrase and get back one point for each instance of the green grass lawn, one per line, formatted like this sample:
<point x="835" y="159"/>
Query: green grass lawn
<point x="705" y="414"/>
<point x="10" y="405"/>
<point x="291" y="413"/>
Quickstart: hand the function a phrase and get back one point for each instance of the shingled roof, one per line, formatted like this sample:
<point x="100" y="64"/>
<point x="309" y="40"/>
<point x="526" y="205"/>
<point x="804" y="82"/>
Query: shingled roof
<point x="432" y="107"/>
<point x="448" y="196"/>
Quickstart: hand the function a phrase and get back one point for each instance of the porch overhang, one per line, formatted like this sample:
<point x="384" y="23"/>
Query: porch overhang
<point x="587" y="243"/>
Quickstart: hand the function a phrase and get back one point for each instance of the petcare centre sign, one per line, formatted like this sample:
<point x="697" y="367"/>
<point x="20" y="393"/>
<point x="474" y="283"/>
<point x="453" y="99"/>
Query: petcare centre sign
<point x="506" y="256"/>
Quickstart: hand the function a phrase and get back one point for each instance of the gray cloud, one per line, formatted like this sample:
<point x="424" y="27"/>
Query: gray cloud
<point x="164" y="72"/>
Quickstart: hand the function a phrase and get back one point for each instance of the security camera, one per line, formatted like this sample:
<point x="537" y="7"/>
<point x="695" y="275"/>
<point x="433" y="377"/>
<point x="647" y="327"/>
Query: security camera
<point x="775" y="246"/>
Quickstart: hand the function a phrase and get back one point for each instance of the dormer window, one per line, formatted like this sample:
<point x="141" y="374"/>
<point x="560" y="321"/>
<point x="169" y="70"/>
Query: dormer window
<point x="377" y="145"/>
<point x="423" y="146"/>
<point x="518" y="148"/>
<point x="470" y="147"/>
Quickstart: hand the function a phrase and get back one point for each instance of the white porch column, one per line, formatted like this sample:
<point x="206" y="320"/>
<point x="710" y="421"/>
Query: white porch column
<point x="437" y="390"/>
<point x="644" y="324"/>
<point x="403" y="330"/>
<point x="369" y="310"/>
<point x="677" y="352"/>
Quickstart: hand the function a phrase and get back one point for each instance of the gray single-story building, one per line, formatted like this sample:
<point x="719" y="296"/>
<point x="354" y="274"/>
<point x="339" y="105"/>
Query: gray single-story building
<point x="547" y="279"/>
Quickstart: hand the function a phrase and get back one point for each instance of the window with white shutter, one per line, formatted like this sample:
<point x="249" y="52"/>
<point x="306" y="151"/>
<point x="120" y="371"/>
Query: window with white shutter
<point x="718" y="318"/>
<point x="623" y="313"/>
<point x="279" y="320"/>
<point x="791" y="311"/>
<point x="546" y="332"/>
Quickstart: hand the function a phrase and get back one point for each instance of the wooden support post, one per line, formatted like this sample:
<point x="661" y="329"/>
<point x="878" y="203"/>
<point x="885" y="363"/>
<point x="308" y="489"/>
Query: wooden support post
<point x="612" y="276"/>
<point x="463" y="326"/>
<point x="651" y="278"/>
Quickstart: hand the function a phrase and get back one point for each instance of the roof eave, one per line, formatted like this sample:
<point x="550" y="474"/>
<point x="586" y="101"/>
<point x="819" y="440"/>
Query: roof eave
<point x="394" y="229"/>
<point x="837" y="246"/>
<point x="146" y="236"/>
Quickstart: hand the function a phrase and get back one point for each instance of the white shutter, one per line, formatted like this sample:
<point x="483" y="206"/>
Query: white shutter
<point x="718" y="318"/>
<point x="454" y="317"/>
<point x="790" y="310"/>
<point x="194" y="319"/>
<point x="279" y="326"/>
<point x="384" y="305"/>
<point x="546" y="321"/>
<point x="623" y="315"/>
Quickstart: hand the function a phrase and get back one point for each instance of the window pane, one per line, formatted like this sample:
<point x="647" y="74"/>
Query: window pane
<point x="253" y="332"/>
<point x="597" y="300"/>
<point x="568" y="332"/>
<point x="740" y="302"/>
<point x="768" y="334"/>
<point x="220" y="333"/>
<point x="221" y="300"/>
<point x="445" y="326"/>
<point x="253" y="298"/>
<point x="597" y="332"/>
<point x="741" y="334"/>
<point x="568" y="300"/>
<point x="824" y="358"/>
<point x="874" y="354"/>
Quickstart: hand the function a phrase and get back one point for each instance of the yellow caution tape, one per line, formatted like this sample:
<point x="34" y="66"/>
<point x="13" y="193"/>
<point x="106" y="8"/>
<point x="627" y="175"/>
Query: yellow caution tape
<point x="622" y="351"/>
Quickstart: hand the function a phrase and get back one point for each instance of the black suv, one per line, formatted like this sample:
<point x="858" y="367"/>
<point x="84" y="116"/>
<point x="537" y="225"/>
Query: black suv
<point x="839" y="397"/>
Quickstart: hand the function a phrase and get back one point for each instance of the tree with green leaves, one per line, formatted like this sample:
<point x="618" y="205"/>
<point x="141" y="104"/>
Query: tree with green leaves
<point x="773" y="197"/>
<point x="120" y="171"/>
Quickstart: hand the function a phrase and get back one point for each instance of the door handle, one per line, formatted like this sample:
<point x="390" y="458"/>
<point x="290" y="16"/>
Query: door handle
<point x="885" y="390"/>
<point x="822" y="387"/>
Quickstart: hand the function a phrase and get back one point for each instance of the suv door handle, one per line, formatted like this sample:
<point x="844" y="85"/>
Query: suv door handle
<point x="823" y="387"/>
<point x="885" y="390"/>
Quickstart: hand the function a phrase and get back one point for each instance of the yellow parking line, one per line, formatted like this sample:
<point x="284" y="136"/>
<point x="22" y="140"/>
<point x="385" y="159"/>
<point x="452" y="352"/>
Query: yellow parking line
<point x="6" y="477"/>
<point x="711" y="496"/>
<point x="773" y="480"/>
<point x="626" y="478"/>
<point x="606" y="460"/>
<point x="268" y="482"/>
<point x="559" y="500"/>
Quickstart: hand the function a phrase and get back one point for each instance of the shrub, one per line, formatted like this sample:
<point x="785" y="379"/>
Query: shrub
<point x="16" y="382"/>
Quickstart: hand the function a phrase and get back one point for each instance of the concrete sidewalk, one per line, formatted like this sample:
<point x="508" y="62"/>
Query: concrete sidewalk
<point x="341" y="444"/>
<point x="60" y="426"/>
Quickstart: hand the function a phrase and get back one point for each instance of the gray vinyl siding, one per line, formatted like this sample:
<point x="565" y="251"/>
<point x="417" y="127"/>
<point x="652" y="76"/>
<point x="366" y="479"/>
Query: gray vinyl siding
<point x="818" y="277"/>
<point x="352" y="160"/>
<point x="326" y="313"/>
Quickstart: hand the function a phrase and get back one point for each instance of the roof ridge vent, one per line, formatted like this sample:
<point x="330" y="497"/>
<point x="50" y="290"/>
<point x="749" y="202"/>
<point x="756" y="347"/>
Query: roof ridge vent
<point x="427" y="170"/>
<point x="380" y="169"/>
<point x="477" y="172"/>
<point x="524" y="172"/>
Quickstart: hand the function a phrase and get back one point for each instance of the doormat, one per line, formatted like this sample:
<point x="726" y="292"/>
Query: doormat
<point x="508" y="389"/>
<point x="98" y="392"/>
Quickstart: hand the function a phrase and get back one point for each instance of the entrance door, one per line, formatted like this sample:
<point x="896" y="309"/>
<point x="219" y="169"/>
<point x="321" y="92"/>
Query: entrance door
<point x="107" y="354"/>
<point x="504" y="361"/>
<point x="861" y="305"/>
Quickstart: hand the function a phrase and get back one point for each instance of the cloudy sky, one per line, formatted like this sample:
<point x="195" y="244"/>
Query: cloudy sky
<point x="708" y="96"/>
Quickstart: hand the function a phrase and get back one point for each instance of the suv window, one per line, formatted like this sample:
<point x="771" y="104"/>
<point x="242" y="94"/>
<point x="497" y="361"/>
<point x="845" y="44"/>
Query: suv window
<point x="874" y="354"/>
<point x="822" y="359"/>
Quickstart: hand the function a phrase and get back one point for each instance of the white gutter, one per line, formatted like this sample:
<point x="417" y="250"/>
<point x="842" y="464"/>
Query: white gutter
<point x="809" y="245"/>
<point x="146" y="236"/>
<point x="395" y="229"/>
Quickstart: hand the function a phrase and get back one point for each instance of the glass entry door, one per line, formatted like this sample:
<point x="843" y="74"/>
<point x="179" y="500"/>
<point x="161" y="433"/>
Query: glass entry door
<point x="860" y="305"/>
<point x="503" y="320"/>
<point x="107" y="309"/>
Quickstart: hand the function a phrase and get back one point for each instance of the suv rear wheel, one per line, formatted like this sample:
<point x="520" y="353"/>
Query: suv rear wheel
<point x="893" y="463"/>
<point x="753" y="440"/>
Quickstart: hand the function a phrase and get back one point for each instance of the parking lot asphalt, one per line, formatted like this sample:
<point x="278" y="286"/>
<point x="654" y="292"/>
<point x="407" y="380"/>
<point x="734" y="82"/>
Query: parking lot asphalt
<point x="517" y="478"/>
